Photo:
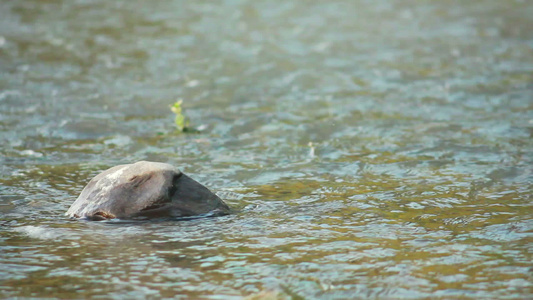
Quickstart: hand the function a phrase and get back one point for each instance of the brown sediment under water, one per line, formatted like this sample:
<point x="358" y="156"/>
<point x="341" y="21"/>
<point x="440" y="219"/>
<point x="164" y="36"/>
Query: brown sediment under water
<point x="370" y="149"/>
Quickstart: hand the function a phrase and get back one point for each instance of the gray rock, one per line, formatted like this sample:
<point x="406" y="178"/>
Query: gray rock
<point x="144" y="190"/>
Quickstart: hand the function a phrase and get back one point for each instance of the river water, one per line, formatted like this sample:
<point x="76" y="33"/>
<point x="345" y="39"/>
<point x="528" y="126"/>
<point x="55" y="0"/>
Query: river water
<point x="370" y="149"/>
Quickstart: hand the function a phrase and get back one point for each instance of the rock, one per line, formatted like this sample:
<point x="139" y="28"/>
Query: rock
<point x="145" y="190"/>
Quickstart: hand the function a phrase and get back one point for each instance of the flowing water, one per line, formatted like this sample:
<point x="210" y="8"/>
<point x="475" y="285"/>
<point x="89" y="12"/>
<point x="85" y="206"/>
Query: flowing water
<point x="370" y="149"/>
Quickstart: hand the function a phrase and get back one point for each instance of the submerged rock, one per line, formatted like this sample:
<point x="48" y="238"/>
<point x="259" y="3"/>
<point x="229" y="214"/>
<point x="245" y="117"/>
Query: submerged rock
<point x="144" y="190"/>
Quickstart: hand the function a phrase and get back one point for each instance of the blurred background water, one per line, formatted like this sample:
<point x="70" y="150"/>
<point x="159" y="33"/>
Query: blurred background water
<point x="372" y="149"/>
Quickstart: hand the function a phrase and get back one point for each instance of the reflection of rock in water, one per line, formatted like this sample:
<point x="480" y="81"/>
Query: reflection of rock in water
<point x="145" y="190"/>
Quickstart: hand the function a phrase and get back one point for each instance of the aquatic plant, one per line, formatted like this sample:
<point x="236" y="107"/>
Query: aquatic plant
<point x="182" y="122"/>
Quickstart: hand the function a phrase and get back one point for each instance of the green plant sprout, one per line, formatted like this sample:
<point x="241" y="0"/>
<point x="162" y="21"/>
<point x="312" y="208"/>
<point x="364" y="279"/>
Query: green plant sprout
<point x="182" y="122"/>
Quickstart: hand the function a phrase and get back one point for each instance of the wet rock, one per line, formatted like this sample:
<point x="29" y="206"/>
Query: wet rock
<point x="144" y="190"/>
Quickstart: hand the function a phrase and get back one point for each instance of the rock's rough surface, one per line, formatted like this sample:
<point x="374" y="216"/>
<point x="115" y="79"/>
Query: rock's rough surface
<point x="144" y="189"/>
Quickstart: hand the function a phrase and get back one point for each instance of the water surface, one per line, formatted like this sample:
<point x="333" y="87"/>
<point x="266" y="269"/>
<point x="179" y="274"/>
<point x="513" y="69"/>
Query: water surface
<point x="371" y="149"/>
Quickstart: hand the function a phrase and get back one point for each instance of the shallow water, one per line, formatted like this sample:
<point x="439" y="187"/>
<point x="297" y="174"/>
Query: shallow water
<point x="371" y="149"/>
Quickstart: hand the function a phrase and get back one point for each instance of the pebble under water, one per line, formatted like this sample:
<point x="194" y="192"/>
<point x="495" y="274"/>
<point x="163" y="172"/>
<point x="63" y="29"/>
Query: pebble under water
<point x="370" y="149"/>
